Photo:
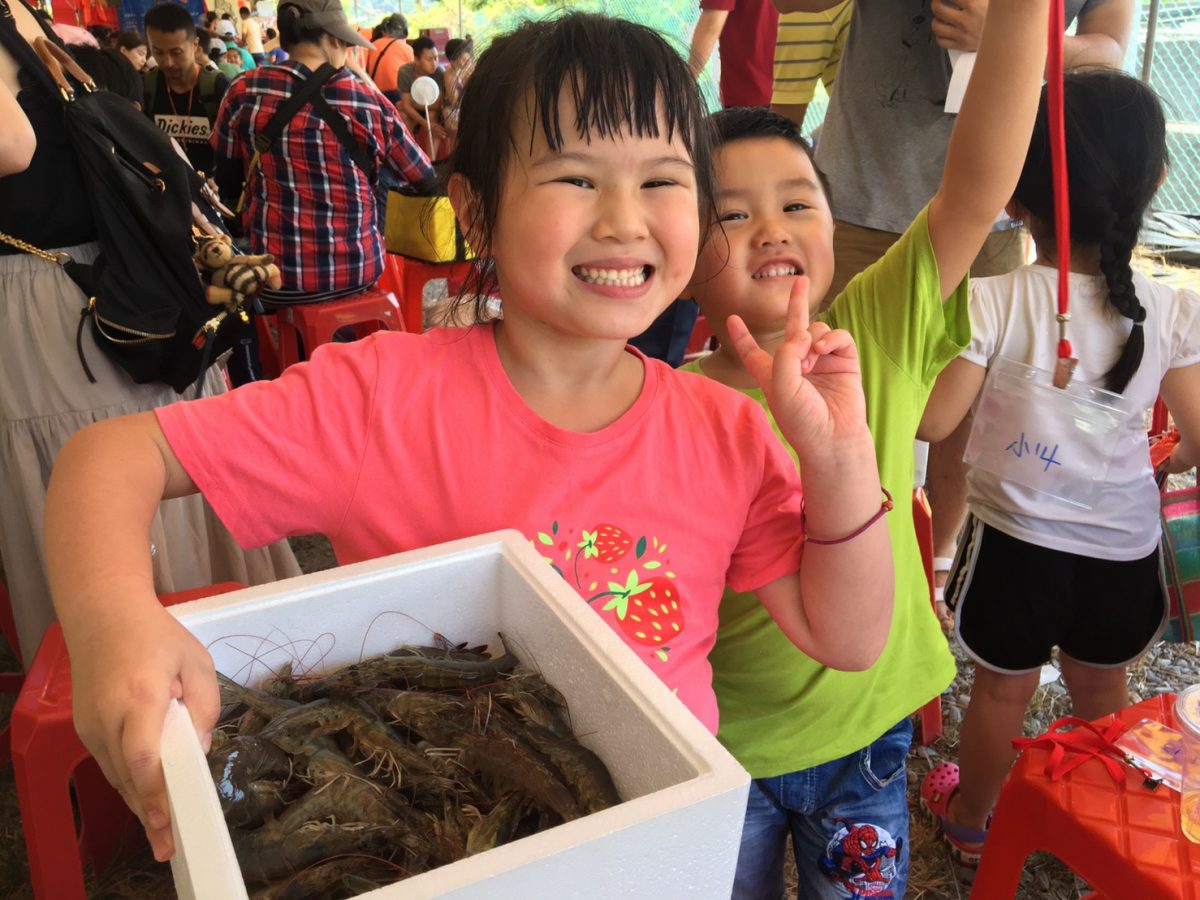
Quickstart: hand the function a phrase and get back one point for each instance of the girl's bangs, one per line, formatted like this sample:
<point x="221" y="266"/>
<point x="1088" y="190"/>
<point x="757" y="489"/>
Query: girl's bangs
<point x="619" y="80"/>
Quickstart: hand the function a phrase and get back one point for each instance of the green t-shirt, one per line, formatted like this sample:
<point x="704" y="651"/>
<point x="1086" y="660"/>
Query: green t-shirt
<point x="781" y="711"/>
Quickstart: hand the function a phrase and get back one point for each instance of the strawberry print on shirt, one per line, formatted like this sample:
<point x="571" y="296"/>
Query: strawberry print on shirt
<point x="628" y="581"/>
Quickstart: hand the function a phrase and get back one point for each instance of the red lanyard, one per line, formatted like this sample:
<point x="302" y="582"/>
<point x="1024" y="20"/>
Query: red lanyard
<point x="1085" y="741"/>
<point x="1062" y="207"/>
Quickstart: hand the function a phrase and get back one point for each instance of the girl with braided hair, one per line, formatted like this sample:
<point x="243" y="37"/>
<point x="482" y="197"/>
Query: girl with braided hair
<point x="1035" y="572"/>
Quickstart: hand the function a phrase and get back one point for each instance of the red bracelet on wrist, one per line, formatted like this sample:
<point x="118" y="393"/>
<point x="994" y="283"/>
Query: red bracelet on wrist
<point x="884" y="509"/>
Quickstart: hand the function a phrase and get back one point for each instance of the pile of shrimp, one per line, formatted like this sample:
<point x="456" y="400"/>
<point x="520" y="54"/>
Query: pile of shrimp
<point x="337" y="785"/>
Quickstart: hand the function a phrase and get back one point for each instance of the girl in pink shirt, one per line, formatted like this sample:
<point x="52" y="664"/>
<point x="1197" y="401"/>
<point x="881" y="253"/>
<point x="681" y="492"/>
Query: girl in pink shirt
<point x="582" y="177"/>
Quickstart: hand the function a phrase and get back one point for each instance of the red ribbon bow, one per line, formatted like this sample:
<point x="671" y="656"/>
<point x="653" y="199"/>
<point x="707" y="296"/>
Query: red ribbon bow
<point x="1071" y="749"/>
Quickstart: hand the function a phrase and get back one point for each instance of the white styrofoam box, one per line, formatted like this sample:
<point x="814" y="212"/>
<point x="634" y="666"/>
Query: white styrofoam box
<point x="677" y="831"/>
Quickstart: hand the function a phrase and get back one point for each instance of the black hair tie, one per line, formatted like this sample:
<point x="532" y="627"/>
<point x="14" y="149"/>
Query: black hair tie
<point x="1139" y="317"/>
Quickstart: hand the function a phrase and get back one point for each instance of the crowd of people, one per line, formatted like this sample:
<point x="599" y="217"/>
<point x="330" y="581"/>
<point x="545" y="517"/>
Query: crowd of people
<point x="860" y="294"/>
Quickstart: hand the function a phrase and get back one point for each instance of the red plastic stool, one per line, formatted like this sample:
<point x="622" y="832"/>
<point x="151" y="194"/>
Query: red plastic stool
<point x="315" y="323"/>
<point x="1122" y="838"/>
<point x="10" y="682"/>
<point x="930" y="715"/>
<point x="268" y="344"/>
<point x="48" y="757"/>
<point x="415" y="274"/>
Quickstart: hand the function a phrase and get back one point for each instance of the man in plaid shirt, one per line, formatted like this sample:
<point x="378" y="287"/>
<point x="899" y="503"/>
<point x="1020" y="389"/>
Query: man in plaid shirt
<point x="308" y="203"/>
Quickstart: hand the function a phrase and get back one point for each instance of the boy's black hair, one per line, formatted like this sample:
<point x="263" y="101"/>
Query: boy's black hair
<point x="272" y="34"/>
<point x="111" y="71"/>
<point x="168" y="18"/>
<point x="421" y="44"/>
<point x="244" y="13"/>
<point x="204" y="36"/>
<point x="291" y="32"/>
<point x="1116" y="154"/>
<point x="749" y="122"/>
<point x="622" y="77"/>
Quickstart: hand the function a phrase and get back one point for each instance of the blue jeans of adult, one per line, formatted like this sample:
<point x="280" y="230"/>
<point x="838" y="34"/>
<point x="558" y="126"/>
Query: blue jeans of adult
<point x="849" y="824"/>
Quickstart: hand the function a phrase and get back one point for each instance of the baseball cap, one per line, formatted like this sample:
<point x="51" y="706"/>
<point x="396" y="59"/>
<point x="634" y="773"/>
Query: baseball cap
<point x="328" y="16"/>
<point x="225" y="28"/>
<point x="216" y="47"/>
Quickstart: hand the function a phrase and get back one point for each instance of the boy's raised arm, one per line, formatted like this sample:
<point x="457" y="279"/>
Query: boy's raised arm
<point x="991" y="137"/>
<point x="129" y="656"/>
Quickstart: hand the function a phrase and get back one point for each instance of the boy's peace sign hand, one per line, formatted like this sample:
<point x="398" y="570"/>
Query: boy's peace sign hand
<point x="813" y="383"/>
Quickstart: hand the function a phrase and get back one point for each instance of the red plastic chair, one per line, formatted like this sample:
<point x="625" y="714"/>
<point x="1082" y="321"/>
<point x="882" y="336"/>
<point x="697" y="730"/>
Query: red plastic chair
<point x="414" y="274"/>
<point x="1123" y="838"/>
<point x="315" y="323"/>
<point x="10" y="682"/>
<point x="929" y="716"/>
<point x="1160" y="419"/>
<point x="48" y="758"/>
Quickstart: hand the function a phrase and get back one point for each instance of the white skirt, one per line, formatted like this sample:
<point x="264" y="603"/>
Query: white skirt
<point x="45" y="397"/>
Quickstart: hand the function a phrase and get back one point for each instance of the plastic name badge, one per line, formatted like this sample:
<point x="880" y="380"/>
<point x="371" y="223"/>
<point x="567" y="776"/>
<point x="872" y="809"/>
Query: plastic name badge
<point x="1158" y="749"/>
<point x="1057" y="441"/>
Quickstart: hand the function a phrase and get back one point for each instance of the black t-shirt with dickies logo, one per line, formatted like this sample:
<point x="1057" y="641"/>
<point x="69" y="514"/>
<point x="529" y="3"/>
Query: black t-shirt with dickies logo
<point x="188" y="117"/>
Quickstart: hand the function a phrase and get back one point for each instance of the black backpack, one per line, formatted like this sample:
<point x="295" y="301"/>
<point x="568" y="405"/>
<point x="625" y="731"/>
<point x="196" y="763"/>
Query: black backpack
<point x="146" y="303"/>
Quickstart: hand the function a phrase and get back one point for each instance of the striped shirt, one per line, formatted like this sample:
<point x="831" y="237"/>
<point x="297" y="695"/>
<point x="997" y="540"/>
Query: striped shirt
<point x="309" y="205"/>
<point x="808" y="47"/>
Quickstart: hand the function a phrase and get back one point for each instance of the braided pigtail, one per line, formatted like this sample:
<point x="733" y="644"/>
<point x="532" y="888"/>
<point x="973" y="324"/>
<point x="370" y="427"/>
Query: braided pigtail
<point x="1116" y="250"/>
<point x="1116" y="154"/>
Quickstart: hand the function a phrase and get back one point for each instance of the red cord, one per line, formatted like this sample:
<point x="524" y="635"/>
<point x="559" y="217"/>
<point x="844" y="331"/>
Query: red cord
<point x="1058" y="162"/>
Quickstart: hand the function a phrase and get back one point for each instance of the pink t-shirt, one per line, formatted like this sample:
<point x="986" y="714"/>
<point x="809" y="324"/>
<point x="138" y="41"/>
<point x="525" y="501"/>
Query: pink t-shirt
<point x="401" y="441"/>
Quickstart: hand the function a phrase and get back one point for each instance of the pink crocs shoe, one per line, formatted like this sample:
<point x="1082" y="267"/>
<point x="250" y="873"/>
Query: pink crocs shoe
<point x="966" y="844"/>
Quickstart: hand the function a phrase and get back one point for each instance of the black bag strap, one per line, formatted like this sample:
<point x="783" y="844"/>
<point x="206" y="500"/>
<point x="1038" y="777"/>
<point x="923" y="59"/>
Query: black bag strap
<point x="379" y="59"/>
<point x="337" y="123"/>
<point x="309" y="92"/>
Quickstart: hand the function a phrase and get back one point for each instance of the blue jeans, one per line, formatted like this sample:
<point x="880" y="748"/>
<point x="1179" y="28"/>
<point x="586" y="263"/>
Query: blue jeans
<point x="849" y="824"/>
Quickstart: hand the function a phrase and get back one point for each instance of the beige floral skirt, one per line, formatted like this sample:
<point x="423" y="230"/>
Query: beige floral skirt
<point x="45" y="397"/>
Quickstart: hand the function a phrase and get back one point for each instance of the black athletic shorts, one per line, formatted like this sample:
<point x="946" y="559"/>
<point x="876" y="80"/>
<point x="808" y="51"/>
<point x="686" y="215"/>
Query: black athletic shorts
<point x="1013" y="602"/>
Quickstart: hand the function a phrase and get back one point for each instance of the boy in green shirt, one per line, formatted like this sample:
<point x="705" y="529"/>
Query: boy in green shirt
<point x="826" y="748"/>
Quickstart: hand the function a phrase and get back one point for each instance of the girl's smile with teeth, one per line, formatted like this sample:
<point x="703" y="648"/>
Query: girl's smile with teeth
<point x="626" y="277"/>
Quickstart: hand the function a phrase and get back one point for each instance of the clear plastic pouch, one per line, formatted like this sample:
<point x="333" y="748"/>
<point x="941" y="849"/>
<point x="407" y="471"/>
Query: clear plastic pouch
<point x="1158" y="749"/>
<point x="1057" y="441"/>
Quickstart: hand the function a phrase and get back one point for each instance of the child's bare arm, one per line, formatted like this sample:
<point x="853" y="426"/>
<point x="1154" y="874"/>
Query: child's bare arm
<point x="705" y="37"/>
<point x="1181" y="392"/>
<point x="129" y="657"/>
<point x="991" y="136"/>
<point x="838" y="609"/>
<point x="953" y="393"/>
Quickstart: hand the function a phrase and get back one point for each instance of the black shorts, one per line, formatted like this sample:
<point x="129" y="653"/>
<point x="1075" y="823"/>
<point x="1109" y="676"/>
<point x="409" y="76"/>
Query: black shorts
<point x="1014" y="602"/>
